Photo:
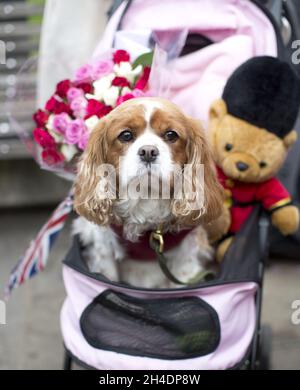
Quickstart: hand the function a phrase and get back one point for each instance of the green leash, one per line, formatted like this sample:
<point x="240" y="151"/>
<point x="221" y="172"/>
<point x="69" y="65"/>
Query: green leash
<point x="156" y="242"/>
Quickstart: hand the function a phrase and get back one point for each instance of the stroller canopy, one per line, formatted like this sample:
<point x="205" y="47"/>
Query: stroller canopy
<point x="228" y="32"/>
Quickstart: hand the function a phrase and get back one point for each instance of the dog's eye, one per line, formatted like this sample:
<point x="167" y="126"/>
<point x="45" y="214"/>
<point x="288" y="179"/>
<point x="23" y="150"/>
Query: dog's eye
<point x="171" y="136"/>
<point x="262" y="164"/>
<point x="125" y="136"/>
<point x="228" y="147"/>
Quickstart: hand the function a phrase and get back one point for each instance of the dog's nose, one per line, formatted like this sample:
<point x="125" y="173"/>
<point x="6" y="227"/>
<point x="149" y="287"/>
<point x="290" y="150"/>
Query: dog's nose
<point x="242" y="166"/>
<point x="148" y="153"/>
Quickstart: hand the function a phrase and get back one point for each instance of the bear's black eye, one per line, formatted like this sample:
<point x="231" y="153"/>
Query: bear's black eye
<point x="228" y="147"/>
<point x="126" y="136"/>
<point x="262" y="164"/>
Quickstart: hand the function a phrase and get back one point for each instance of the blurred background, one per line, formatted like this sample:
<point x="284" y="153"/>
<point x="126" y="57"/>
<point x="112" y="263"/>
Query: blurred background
<point x="31" y="338"/>
<point x="22" y="183"/>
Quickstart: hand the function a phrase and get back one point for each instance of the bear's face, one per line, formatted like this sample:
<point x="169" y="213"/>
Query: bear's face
<point x="245" y="152"/>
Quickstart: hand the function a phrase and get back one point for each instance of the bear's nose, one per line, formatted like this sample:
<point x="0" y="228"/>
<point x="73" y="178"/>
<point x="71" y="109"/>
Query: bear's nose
<point x="242" y="166"/>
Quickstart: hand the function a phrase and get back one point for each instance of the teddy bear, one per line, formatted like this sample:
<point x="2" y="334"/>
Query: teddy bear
<point x="251" y="130"/>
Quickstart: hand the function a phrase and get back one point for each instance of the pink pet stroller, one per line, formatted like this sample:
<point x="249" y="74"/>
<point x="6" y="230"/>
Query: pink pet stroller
<point x="216" y="324"/>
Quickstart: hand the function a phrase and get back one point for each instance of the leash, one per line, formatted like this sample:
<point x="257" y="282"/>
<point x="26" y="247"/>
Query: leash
<point x="156" y="242"/>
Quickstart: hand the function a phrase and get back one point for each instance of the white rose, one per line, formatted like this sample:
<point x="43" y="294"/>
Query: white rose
<point x="91" y="122"/>
<point x="125" y="90"/>
<point x="90" y="96"/>
<point x="69" y="151"/>
<point x="111" y="95"/>
<point x="49" y="124"/>
<point x="100" y="86"/>
<point x="57" y="137"/>
<point x="124" y="69"/>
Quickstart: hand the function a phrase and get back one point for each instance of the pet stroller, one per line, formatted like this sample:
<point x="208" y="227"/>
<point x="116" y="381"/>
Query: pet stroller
<point x="216" y="324"/>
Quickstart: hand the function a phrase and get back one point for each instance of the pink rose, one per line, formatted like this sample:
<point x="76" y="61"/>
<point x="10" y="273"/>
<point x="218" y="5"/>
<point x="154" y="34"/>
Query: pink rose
<point x="41" y="117"/>
<point x="63" y="87"/>
<point x="78" y="106"/>
<point x="125" y="97"/>
<point x="84" y="73"/>
<point x="60" y="122"/>
<point x="74" y="93"/>
<point x="83" y="141"/>
<point x="96" y="108"/>
<point x="138" y="93"/>
<point x="101" y="68"/>
<point x="121" y="56"/>
<point x="52" y="157"/>
<point x="74" y="132"/>
<point x="43" y="138"/>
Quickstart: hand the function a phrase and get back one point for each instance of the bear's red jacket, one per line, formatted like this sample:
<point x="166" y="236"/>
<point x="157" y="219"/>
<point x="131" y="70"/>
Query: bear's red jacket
<point x="242" y="197"/>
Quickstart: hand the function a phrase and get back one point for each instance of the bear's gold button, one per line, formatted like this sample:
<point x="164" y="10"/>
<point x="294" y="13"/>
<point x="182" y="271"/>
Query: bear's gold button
<point x="229" y="183"/>
<point x="228" y="203"/>
<point x="228" y="193"/>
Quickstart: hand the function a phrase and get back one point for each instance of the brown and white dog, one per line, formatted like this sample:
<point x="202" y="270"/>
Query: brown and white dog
<point x="142" y="137"/>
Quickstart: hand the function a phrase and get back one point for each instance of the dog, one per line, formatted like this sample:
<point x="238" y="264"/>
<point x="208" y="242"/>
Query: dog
<point x="141" y="139"/>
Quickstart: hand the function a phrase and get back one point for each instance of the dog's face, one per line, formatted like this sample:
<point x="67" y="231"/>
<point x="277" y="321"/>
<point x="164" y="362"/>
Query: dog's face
<point x="142" y="137"/>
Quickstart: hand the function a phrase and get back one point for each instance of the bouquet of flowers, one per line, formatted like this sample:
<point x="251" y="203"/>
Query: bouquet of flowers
<point x="63" y="126"/>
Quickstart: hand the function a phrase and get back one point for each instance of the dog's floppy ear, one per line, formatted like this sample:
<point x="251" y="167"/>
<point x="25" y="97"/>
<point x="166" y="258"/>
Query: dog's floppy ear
<point x="89" y="201"/>
<point x="198" y="153"/>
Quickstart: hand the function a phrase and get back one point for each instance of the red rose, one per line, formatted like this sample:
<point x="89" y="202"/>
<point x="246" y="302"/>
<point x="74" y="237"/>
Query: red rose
<point x="57" y="107"/>
<point x="120" y="82"/>
<point x="63" y="87"/>
<point x="43" y="138"/>
<point x="143" y="80"/>
<point x="40" y="118"/>
<point x="62" y="107"/>
<point x="125" y="97"/>
<point x="49" y="106"/>
<point x="106" y="110"/>
<point x="52" y="157"/>
<point x="86" y="87"/>
<point x="121" y="56"/>
<point x="96" y="108"/>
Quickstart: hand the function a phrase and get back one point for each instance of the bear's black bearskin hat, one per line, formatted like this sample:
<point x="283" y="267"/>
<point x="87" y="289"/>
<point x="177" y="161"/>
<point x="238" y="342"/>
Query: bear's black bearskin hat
<point x="265" y="92"/>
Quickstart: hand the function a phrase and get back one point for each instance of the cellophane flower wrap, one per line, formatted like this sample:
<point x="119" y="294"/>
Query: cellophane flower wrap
<point x="63" y="125"/>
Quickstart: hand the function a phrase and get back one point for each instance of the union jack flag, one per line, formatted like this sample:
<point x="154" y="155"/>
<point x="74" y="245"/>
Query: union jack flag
<point x="37" y="254"/>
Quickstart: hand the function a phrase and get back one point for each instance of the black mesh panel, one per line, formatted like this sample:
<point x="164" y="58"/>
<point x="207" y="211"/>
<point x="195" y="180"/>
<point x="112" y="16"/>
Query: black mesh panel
<point x="163" y="328"/>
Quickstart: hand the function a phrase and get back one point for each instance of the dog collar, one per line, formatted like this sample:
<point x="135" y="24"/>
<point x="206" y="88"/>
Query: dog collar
<point x="141" y="249"/>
